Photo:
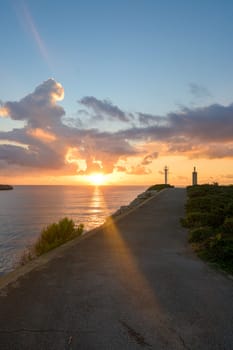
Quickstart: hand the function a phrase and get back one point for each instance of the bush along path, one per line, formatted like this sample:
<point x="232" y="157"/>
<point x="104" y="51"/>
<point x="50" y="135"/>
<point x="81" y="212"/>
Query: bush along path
<point x="209" y="218"/>
<point x="52" y="237"/>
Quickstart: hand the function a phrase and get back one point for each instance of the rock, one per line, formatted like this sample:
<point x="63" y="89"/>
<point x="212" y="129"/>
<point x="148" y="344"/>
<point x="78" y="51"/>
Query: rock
<point x="138" y="200"/>
<point x="5" y="187"/>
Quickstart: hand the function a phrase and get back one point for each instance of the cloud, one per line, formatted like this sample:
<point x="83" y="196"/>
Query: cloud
<point x="39" y="109"/>
<point x="214" y="151"/>
<point x="149" y="158"/>
<point x="28" y="24"/>
<point x="30" y="157"/>
<point x="148" y="119"/>
<point x="104" y="108"/>
<point x="207" y="124"/>
<point x="4" y="112"/>
<point x="199" y="91"/>
<point x="228" y="176"/>
<point x="37" y="144"/>
<point x="120" y="168"/>
<point x="48" y="141"/>
<point x="101" y="148"/>
<point x="138" y="170"/>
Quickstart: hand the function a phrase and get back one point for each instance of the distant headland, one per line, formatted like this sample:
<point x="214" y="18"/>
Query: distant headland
<point x="6" y="187"/>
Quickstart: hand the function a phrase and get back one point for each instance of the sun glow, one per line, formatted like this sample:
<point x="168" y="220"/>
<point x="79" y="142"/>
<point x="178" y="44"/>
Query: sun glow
<point x="96" y="179"/>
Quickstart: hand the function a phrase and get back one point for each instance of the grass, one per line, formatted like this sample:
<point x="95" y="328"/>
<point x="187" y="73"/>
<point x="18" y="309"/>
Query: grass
<point x="52" y="237"/>
<point x="209" y="218"/>
<point x="159" y="187"/>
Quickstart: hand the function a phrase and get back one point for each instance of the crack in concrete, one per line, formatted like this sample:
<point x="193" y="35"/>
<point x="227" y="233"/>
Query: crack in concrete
<point x="185" y="346"/>
<point x="183" y="342"/>
<point x="140" y="340"/>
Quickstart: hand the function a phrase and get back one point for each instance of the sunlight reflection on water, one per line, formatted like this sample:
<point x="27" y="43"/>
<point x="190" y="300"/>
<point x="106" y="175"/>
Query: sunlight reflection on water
<point x="27" y="209"/>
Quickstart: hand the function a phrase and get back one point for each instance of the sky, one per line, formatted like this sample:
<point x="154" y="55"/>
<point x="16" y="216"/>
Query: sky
<point x="119" y="88"/>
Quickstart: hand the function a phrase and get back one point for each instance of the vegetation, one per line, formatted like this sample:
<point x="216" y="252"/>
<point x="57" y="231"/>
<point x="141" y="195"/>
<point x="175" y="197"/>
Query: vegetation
<point x="51" y="237"/>
<point x="159" y="187"/>
<point x="209" y="217"/>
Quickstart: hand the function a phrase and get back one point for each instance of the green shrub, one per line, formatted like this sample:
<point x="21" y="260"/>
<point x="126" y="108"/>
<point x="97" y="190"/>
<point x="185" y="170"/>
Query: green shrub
<point x="159" y="187"/>
<point x="200" y="234"/>
<point x="228" y="225"/>
<point x="199" y="190"/>
<point x="192" y="219"/>
<point x="207" y="203"/>
<point x="209" y="210"/>
<point x="56" y="234"/>
<point x="229" y="207"/>
<point x="51" y="237"/>
<point x="198" y="219"/>
<point x="219" y="250"/>
<point x="197" y="204"/>
<point x="213" y="218"/>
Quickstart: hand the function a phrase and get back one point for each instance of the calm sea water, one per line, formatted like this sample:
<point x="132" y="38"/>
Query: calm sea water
<point x="25" y="210"/>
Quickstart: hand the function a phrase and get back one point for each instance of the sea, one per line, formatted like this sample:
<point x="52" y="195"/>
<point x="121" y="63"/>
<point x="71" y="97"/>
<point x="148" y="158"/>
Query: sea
<point x="26" y="210"/>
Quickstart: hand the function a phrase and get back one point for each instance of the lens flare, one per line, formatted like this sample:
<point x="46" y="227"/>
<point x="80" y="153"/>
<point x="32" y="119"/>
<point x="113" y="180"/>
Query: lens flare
<point x="96" y="179"/>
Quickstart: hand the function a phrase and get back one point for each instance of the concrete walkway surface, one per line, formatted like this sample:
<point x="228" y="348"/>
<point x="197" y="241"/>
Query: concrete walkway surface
<point x="134" y="284"/>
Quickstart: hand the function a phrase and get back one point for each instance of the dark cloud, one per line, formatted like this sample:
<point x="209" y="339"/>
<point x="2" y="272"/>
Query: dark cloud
<point x="148" y="119"/>
<point x="199" y="91"/>
<point x="114" y="144"/>
<point x="149" y="158"/>
<point x="39" y="108"/>
<point x="104" y="108"/>
<point x="30" y="157"/>
<point x="207" y="124"/>
<point x="213" y="151"/>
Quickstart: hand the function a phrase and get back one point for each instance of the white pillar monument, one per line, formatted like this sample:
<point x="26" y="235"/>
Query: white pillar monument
<point x="194" y="177"/>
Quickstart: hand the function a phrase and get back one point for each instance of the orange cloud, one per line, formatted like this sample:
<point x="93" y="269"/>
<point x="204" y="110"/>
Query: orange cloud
<point x="13" y="143"/>
<point x="4" y="112"/>
<point x="145" y="143"/>
<point x="42" y="135"/>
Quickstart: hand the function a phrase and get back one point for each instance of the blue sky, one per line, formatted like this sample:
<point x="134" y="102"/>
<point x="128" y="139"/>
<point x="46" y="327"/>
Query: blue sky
<point x="141" y="56"/>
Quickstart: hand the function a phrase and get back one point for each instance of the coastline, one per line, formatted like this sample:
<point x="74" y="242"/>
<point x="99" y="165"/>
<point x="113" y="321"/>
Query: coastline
<point x="12" y="276"/>
<point x="27" y="210"/>
<point x="141" y="198"/>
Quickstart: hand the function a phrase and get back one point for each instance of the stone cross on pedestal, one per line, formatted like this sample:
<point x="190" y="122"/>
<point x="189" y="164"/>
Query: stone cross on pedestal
<point x="165" y="174"/>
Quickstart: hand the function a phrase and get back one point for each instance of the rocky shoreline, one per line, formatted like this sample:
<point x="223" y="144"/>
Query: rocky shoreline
<point x="137" y="201"/>
<point x="5" y="187"/>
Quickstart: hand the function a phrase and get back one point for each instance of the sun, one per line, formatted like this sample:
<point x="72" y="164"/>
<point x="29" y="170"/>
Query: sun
<point x="96" y="179"/>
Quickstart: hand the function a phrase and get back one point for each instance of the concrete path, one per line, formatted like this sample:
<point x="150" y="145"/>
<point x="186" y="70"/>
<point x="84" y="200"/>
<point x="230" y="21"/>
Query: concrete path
<point x="133" y="285"/>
